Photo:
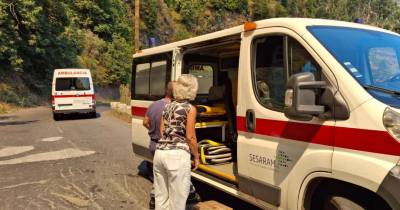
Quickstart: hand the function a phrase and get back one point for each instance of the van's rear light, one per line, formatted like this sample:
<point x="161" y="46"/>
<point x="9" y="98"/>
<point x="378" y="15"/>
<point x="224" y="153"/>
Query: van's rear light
<point x="94" y="99"/>
<point x="132" y="110"/>
<point x="52" y="100"/>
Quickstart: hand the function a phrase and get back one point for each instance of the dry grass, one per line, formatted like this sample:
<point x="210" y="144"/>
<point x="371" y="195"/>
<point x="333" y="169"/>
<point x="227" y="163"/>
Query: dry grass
<point x="125" y="94"/>
<point x="123" y="116"/>
<point x="5" y="108"/>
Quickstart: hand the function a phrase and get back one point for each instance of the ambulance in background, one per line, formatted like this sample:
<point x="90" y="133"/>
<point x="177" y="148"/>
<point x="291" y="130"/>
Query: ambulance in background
<point x="73" y="93"/>
<point x="312" y="111"/>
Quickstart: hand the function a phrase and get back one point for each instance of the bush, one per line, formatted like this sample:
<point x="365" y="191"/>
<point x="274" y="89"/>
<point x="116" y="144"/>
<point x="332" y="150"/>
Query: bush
<point x="4" y="108"/>
<point x="8" y="95"/>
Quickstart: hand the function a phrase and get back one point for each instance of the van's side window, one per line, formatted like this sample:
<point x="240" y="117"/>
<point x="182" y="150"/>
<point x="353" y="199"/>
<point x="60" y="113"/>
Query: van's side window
<point x="270" y="71"/>
<point x="204" y="74"/>
<point x="150" y="75"/>
<point x="142" y="79"/>
<point x="158" y="77"/>
<point x="300" y="60"/>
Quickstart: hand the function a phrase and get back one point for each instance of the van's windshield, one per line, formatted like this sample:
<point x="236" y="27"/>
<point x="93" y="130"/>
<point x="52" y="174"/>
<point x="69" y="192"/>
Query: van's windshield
<point x="72" y="83"/>
<point x="371" y="57"/>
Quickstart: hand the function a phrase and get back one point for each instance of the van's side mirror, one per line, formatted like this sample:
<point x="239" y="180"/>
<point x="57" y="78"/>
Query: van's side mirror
<point x="301" y="97"/>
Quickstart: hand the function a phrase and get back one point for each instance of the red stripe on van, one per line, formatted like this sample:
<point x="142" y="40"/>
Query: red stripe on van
<point x="290" y="130"/>
<point x="367" y="140"/>
<point x="349" y="138"/>
<point x="138" y="111"/>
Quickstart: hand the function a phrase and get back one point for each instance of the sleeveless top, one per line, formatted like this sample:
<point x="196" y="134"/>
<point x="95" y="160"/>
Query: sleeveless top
<point x="175" y="118"/>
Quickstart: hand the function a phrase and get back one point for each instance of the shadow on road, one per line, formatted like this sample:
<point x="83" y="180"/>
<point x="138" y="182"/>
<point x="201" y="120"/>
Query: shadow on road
<point x="145" y="170"/>
<point x="7" y="117"/>
<point x="17" y="122"/>
<point x="77" y="117"/>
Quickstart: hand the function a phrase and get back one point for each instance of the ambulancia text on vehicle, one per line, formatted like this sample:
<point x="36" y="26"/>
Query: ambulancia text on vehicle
<point x="73" y="93"/>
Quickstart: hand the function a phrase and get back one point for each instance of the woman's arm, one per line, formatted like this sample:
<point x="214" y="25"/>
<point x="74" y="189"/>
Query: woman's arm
<point x="146" y="122"/>
<point x="161" y="127"/>
<point x="191" y="135"/>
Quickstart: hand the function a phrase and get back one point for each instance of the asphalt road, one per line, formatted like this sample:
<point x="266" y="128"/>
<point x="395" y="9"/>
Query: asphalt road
<point x="75" y="163"/>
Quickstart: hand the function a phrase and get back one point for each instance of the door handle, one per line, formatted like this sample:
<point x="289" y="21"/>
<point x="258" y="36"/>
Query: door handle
<point x="250" y="121"/>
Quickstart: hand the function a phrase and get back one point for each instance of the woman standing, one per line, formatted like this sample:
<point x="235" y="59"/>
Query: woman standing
<point x="172" y="157"/>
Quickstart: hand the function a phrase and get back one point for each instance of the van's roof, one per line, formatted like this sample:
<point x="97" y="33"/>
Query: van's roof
<point x="298" y="24"/>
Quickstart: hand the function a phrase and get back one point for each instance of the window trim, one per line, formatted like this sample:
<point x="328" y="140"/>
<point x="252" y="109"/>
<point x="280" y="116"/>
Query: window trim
<point x="214" y="74"/>
<point x="150" y="59"/>
<point x="253" y="52"/>
<point x="285" y="63"/>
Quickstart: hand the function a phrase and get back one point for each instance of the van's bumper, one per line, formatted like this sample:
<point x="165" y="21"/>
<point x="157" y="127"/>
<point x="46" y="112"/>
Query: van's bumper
<point x="389" y="190"/>
<point x="74" y="111"/>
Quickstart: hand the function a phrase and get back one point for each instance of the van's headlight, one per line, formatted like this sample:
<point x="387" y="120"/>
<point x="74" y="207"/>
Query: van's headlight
<point x="391" y="121"/>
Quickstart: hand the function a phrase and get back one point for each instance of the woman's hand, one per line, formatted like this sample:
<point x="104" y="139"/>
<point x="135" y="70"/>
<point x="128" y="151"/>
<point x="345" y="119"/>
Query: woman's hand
<point x="195" y="163"/>
<point x="191" y="136"/>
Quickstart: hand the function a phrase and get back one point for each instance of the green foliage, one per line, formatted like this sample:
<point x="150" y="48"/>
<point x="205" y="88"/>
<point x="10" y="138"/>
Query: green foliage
<point x="231" y="5"/>
<point x="103" y="17"/>
<point x="263" y="9"/>
<point x="34" y="40"/>
<point x="149" y="13"/>
<point x="119" y="60"/>
<point x="39" y="36"/>
<point x="382" y="13"/>
<point x="110" y="62"/>
<point x="9" y="95"/>
<point x="94" y="56"/>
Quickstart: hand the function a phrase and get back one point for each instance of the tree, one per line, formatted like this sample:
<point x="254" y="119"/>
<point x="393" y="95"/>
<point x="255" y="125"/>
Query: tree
<point x="94" y="57"/>
<point x="119" y="59"/>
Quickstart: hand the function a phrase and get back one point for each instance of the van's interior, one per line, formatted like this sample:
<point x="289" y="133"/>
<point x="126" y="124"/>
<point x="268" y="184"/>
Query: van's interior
<point x="215" y="64"/>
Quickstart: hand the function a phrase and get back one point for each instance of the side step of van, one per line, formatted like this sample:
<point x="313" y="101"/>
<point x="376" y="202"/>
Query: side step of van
<point x="210" y="205"/>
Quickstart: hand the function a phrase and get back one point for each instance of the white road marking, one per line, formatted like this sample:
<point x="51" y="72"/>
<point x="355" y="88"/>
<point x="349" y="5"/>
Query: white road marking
<point x="47" y="156"/>
<point x="9" y="151"/>
<point x="51" y="139"/>
<point x="59" y="130"/>
<point x="24" y="184"/>
<point x="73" y="200"/>
<point x="122" y="191"/>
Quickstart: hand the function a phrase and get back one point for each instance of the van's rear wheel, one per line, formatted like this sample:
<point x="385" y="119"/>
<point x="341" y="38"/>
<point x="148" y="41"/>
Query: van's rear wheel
<point x="56" y="117"/>
<point x="93" y="114"/>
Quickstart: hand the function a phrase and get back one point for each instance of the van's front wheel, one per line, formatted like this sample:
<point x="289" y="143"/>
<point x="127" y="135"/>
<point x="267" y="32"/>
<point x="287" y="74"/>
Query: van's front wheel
<point x="340" y="203"/>
<point x="338" y="195"/>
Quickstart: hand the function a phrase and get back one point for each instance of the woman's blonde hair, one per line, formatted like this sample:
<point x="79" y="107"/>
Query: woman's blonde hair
<point x="185" y="88"/>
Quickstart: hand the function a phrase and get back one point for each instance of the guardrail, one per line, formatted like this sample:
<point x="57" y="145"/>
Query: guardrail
<point x="121" y="107"/>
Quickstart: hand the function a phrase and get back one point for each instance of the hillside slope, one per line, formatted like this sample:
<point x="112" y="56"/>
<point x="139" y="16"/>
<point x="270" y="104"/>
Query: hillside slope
<point x="173" y="20"/>
<point x="38" y="36"/>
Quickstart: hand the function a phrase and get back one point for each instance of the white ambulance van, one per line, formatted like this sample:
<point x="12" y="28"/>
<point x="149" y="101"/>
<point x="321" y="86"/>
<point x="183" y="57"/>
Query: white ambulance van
<point x="312" y="110"/>
<point x="73" y="93"/>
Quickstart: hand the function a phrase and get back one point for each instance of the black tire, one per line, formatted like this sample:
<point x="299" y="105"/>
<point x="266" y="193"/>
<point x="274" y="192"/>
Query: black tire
<point x="92" y="115"/>
<point x="340" y="196"/>
<point x="337" y="202"/>
<point x="56" y="117"/>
